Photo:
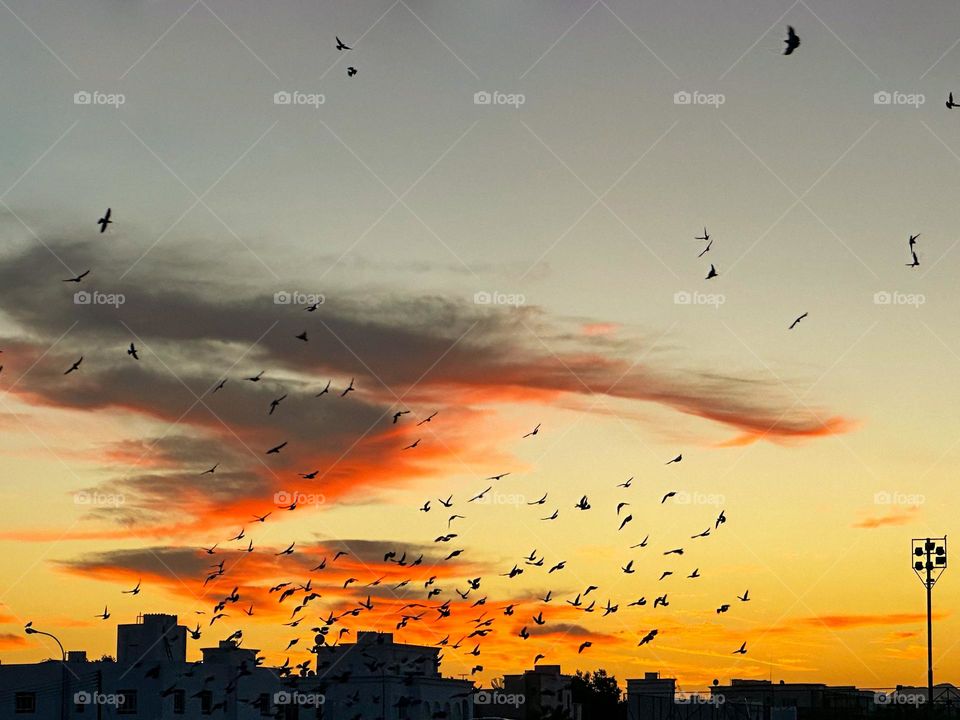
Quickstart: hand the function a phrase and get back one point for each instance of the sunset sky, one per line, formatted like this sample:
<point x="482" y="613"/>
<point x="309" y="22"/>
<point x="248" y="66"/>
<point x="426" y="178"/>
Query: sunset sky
<point x="403" y="204"/>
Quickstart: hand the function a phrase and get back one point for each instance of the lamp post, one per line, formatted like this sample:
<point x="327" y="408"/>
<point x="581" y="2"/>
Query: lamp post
<point x="929" y="558"/>
<point x="30" y="630"/>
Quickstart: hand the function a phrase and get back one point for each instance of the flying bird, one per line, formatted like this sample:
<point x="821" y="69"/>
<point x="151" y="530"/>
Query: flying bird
<point x="677" y="459"/>
<point x="75" y="366"/>
<point x="341" y="45"/>
<point x="712" y="273"/>
<point x="534" y="431"/>
<point x="797" y="321"/>
<point x="132" y="352"/>
<point x="351" y="71"/>
<point x="950" y="103"/>
<point x="706" y="235"/>
<point x="428" y="418"/>
<point x="78" y="278"/>
<point x="742" y="650"/>
<point x="302" y="336"/>
<point x="105" y="220"/>
<point x="256" y="378"/>
<point x="349" y="389"/>
<point x="792" y="41"/>
<point x="276" y="450"/>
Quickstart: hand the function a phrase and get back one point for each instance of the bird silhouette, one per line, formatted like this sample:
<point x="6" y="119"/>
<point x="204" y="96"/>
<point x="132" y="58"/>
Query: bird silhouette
<point x="950" y="103"/>
<point x="78" y="278"/>
<point x="792" y="41"/>
<point x="341" y="46"/>
<point x="797" y="321"/>
<point x="712" y="273"/>
<point x="351" y="71"/>
<point x="75" y="366"/>
<point x="105" y="220"/>
<point x="132" y="352"/>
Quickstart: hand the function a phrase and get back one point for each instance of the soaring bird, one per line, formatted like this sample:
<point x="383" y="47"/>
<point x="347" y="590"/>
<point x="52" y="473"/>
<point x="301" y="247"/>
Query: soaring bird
<point x="745" y="597"/>
<point x="105" y="614"/>
<point x="105" y="220"/>
<point x="341" y="45"/>
<point x="256" y="378"/>
<point x="742" y="650"/>
<point x="677" y="459"/>
<point x="302" y="336"/>
<point x="647" y="638"/>
<point x="274" y="404"/>
<point x="797" y="321"/>
<point x="132" y="352"/>
<point x="706" y="235"/>
<point x="211" y="471"/>
<point x="792" y="41"/>
<point x="276" y="450"/>
<point x="713" y="272"/>
<point x="78" y="278"/>
<point x="349" y="389"/>
<point x="397" y="415"/>
<point x="428" y="418"/>
<point x="75" y="366"/>
<point x="534" y="431"/>
<point x="135" y="591"/>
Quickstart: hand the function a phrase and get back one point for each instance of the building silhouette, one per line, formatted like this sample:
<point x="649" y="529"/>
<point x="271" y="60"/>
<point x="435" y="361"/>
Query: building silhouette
<point x="151" y="679"/>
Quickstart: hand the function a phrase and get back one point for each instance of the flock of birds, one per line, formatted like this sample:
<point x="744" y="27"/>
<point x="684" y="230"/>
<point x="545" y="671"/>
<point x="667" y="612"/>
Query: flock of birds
<point x="435" y="605"/>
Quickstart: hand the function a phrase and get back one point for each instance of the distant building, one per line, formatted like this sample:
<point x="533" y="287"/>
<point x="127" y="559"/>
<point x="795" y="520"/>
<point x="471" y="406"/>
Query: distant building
<point x="543" y="692"/>
<point x="795" y="700"/>
<point x="651" y="697"/>
<point x="152" y="680"/>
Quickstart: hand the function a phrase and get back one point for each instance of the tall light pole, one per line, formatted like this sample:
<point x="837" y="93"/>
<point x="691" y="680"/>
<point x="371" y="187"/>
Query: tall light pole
<point x="929" y="561"/>
<point x="30" y="630"/>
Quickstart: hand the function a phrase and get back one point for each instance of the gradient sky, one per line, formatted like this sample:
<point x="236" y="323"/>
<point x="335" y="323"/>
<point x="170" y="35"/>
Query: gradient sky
<point x="399" y="199"/>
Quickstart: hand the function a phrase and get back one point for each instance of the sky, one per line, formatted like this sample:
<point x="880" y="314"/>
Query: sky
<point x="527" y="261"/>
